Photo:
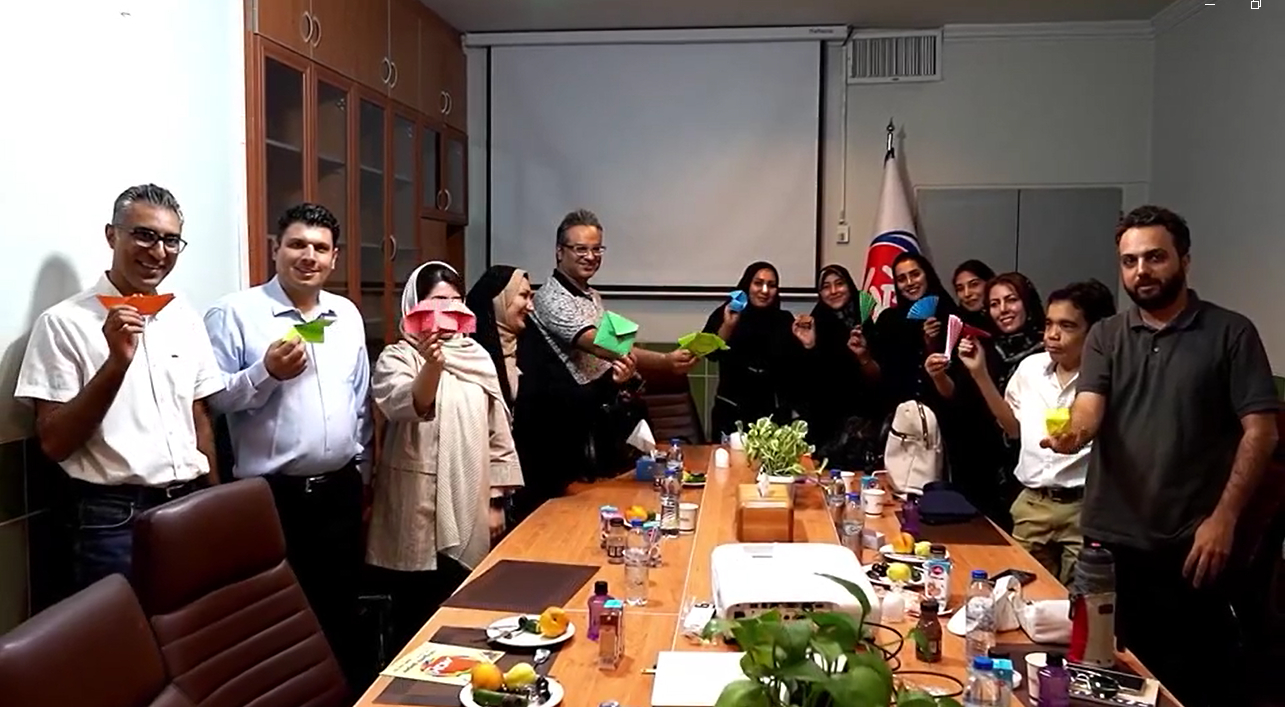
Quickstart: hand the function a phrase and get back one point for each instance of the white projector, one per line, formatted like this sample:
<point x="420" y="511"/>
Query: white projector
<point x="753" y="578"/>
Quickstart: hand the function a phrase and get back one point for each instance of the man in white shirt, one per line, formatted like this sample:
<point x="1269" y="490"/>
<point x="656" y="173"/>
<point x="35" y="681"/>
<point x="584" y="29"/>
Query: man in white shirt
<point x="298" y="412"/>
<point x="1046" y="514"/>
<point x="119" y="394"/>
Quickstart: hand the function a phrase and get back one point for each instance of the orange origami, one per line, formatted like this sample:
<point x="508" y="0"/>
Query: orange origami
<point x="147" y="305"/>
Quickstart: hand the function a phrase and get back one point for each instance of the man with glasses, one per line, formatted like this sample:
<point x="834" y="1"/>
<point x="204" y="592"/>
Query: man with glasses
<point x="298" y="412"/>
<point x="119" y="389"/>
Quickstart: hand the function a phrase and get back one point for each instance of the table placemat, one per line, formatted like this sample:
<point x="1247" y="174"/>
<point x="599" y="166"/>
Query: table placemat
<point x="421" y="693"/>
<point x="1017" y="653"/>
<point x="977" y="531"/>
<point x="522" y="587"/>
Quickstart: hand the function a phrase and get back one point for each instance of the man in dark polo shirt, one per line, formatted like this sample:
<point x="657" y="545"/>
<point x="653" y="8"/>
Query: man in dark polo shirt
<point x="1177" y="396"/>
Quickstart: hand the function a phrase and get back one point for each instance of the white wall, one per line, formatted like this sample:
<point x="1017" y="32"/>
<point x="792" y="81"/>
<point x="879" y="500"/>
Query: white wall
<point x="107" y="94"/>
<point x="1219" y="154"/>
<point x="1031" y="106"/>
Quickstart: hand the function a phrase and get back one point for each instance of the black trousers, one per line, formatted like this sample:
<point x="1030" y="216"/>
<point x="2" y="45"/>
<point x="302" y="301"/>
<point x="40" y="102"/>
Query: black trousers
<point x="321" y="517"/>
<point x="416" y="596"/>
<point x="1188" y="637"/>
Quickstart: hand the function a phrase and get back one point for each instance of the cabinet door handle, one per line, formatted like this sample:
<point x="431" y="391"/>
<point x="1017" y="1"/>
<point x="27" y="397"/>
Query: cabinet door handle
<point x="450" y="103"/>
<point x="442" y="200"/>
<point x="441" y="108"/>
<point x="392" y="254"/>
<point x="316" y="38"/>
<point x="447" y="192"/>
<point x="305" y="27"/>
<point x="396" y="74"/>
<point x="388" y="71"/>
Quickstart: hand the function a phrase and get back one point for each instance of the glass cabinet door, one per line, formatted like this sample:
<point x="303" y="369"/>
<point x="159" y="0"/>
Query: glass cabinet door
<point x="283" y="131"/>
<point x="371" y="230"/>
<point x="455" y="175"/>
<point x="332" y="167"/>
<point x="431" y="191"/>
<point x="405" y="255"/>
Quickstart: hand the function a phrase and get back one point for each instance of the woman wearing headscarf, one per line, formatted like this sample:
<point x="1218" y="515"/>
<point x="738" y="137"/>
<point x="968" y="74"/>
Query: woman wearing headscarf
<point x="447" y="453"/>
<point x="842" y="401"/>
<point x="763" y="350"/>
<point x="902" y="343"/>
<point x="501" y="300"/>
<point x="970" y="291"/>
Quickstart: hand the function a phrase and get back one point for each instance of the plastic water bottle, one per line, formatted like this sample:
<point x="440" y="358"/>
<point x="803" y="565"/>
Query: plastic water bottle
<point x="675" y="460"/>
<point x="670" y="490"/>
<point x="1055" y="683"/>
<point x="854" y="524"/>
<point x="979" y="614"/>
<point x="835" y="497"/>
<point x="981" y="690"/>
<point x="637" y="564"/>
<point x="596" y="602"/>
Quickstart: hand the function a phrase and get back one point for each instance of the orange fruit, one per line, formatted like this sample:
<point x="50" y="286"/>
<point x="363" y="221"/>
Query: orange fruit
<point x="486" y="676"/>
<point x="553" y="622"/>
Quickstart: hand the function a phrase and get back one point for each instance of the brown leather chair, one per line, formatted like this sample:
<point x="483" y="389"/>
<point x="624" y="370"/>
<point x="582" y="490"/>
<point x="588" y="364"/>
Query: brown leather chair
<point x="92" y="649"/>
<point x="671" y="411"/>
<point x="233" y="624"/>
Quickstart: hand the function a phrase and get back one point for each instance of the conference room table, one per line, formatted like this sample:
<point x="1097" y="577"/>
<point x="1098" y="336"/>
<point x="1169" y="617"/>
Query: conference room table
<point x="566" y="530"/>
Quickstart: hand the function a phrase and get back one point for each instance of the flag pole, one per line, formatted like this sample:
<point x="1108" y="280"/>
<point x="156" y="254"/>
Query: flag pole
<point x="891" y="151"/>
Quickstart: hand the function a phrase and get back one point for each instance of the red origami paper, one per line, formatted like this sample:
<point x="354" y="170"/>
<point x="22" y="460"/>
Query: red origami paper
<point x="147" y="305"/>
<point x="970" y="330"/>
<point x="440" y="315"/>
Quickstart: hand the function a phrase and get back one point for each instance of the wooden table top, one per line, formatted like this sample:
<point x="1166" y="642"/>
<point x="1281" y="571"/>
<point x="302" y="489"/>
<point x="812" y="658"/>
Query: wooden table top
<point x="566" y="530"/>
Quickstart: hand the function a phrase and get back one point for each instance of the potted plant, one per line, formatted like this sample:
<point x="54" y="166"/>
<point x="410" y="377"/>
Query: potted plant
<point x="821" y="659"/>
<point x="777" y="449"/>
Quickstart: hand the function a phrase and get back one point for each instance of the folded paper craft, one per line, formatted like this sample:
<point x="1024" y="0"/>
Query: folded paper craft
<point x="440" y="315"/>
<point x="740" y="300"/>
<point x="313" y="332"/>
<point x="702" y="343"/>
<point x="866" y="305"/>
<point x="970" y="330"/>
<point x="615" y="334"/>
<point x="1056" y="420"/>
<point x="147" y="305"/>
<point x="923" y="308"/>
<point x="954" y="327"/>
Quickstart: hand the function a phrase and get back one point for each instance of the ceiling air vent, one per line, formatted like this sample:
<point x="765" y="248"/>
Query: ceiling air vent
<point x="894" y="57"/>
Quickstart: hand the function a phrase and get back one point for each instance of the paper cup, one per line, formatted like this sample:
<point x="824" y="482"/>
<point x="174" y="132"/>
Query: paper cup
<point x="735" y="442"/>
<point x="849" y="480"/>
<point x="687" y="517"/>
<point x="1034" y="661"/>
<point x="872" y="501"/>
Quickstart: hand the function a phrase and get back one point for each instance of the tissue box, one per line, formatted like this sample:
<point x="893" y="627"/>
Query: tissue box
<point x="764" y="519"/>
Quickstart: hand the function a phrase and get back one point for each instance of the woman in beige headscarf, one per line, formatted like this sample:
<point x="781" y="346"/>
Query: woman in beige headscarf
<point x="448" y="451"/>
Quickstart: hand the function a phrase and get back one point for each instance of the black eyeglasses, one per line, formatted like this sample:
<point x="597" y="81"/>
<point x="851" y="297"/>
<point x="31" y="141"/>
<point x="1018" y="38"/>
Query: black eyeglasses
<point x="147" y="238"/>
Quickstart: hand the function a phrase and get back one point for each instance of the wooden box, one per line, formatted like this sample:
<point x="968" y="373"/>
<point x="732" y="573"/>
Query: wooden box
<point x="764" y="519"/>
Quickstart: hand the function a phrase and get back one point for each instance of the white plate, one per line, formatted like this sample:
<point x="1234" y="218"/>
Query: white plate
<point x="555" y="696"/>
<point x="910" y="559"/>
<point x="524" y="639"/>
<point x="694" y="484"/>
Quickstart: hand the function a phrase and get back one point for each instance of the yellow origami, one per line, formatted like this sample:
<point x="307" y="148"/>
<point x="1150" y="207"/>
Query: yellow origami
<point x="1056" y="420"/>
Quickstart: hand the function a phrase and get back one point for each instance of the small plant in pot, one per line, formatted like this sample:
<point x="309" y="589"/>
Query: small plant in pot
<point x="777" y="449"/>
<point x="821" y="659"/>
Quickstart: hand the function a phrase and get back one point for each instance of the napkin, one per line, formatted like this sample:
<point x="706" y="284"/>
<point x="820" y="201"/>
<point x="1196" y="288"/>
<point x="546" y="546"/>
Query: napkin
<point x="313" y="332"/>
<point x="1056" y="420"/>
<point x="1047" y="621"/>
<point x="954" y="327"/>
<point x="702" y="343"/>
<point x="866" y="304"/>
<point x="615" y="333"/>
<point x="147" y="305"/>
<point x="440" y="315"/>
<point x="642" y="438"/>
<point x="923" y="308"/>
<point x="1007" y="595"/>
<point x="739" y="300"/>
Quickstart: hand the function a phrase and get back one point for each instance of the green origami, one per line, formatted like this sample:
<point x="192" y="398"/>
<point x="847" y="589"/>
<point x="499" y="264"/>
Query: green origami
<point x="866" y="304"/>
<point x="702" y="343"/>
<point x="313" y="332"/>
<point x="615" y="334"/>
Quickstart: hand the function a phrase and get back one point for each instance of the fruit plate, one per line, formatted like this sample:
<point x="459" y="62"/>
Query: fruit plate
<point x="879" y="578"/>
<point x="694" y="481"/>
<point x="909" y="558"/>
<point x="555" y="696"/>
<point x="504" y="632"/>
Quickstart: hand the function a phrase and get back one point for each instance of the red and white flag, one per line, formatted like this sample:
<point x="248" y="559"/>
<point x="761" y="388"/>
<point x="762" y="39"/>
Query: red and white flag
<point x="894" y="234"/>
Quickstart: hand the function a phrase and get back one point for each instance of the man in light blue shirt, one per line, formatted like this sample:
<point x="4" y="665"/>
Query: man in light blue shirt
<point x="297" y="377"/>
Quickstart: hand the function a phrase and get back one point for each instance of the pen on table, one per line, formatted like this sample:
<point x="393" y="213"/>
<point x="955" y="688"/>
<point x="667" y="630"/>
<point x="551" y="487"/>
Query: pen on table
<point x="649" y="671"/>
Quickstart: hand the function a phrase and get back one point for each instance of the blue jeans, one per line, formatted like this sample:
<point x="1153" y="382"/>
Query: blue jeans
<point x="102" y="533"/>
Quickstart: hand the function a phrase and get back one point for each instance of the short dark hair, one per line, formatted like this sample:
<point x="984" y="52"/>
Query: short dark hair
<point x="579" y="217"/>
<point x="1150" y="215"/>
<point x="434" y="273"/>
<point x="145" y="194"/>
<point x="975" y="267"/>
<point x="1092" y="298"/>
<point x="309" y="214"/>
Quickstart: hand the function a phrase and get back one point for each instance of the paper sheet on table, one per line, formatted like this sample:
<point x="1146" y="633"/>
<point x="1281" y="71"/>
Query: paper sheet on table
<point x="313" y="332"/>
<point x="642" y="438"/>
<point x="615" y="333"/>
<point x="923" y="308"/>
<point x="740" y="300"/>
<point x="866" y="305"/>
<point x="954" y="327"/>
<point x="702" y="343"/>
<point x="441" y="315"/>
<point x="438" y="662"/>
<point x="147" y="305"/>
<point x="693" y="678"/>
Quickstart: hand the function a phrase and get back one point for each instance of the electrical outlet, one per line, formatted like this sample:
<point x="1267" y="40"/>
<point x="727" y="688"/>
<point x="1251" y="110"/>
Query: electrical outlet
<point x="844" y="234"/>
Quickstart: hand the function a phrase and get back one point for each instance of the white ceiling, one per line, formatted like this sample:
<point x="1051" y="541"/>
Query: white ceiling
<point x="528" y="15"/>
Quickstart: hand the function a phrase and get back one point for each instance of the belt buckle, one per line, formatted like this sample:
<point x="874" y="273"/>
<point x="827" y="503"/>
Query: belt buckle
<point x="172" y="491"/>
<point x="309" y="482"/>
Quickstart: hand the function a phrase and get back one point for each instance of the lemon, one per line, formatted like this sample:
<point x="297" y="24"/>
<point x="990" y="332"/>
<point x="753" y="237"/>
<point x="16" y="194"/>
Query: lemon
<point x="898" y="572"/>
<point x="519" y="676"/>
<point x="923" y="548"/>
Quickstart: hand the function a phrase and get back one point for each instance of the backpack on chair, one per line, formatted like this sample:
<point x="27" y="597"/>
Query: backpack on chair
<point x="913" y="454"/>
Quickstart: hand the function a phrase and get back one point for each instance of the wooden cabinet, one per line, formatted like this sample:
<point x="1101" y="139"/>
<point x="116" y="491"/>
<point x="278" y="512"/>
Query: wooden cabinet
<point x="358" y="106"/>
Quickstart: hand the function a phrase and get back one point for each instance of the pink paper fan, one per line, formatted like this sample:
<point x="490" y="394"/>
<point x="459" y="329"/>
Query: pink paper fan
<point x="954" y="327"/>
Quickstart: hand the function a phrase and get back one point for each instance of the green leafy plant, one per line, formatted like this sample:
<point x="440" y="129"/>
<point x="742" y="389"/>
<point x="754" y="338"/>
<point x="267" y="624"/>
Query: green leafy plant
<point x="820" y="659"/>
<point x="777" y="448"/>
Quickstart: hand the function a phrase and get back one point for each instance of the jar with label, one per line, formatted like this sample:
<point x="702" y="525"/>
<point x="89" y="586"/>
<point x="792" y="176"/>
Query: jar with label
<point x="616" y="537"/>
<point x="928" y="645"/>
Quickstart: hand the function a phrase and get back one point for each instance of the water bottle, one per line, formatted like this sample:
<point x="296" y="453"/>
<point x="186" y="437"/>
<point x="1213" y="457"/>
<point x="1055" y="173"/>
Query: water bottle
<point x="1055" y="683"/>
<point x="596" y="602"/>
<point x="1093" y="608"/>
<point x="670" y="490"/>
<point x="981" y="688"/>
<point x="675" y="460"/>
<point x="854" y="524"/>
<point x="979" y="614"/>
<point x="835" y="497"/>
<point x="637" y="564"/>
